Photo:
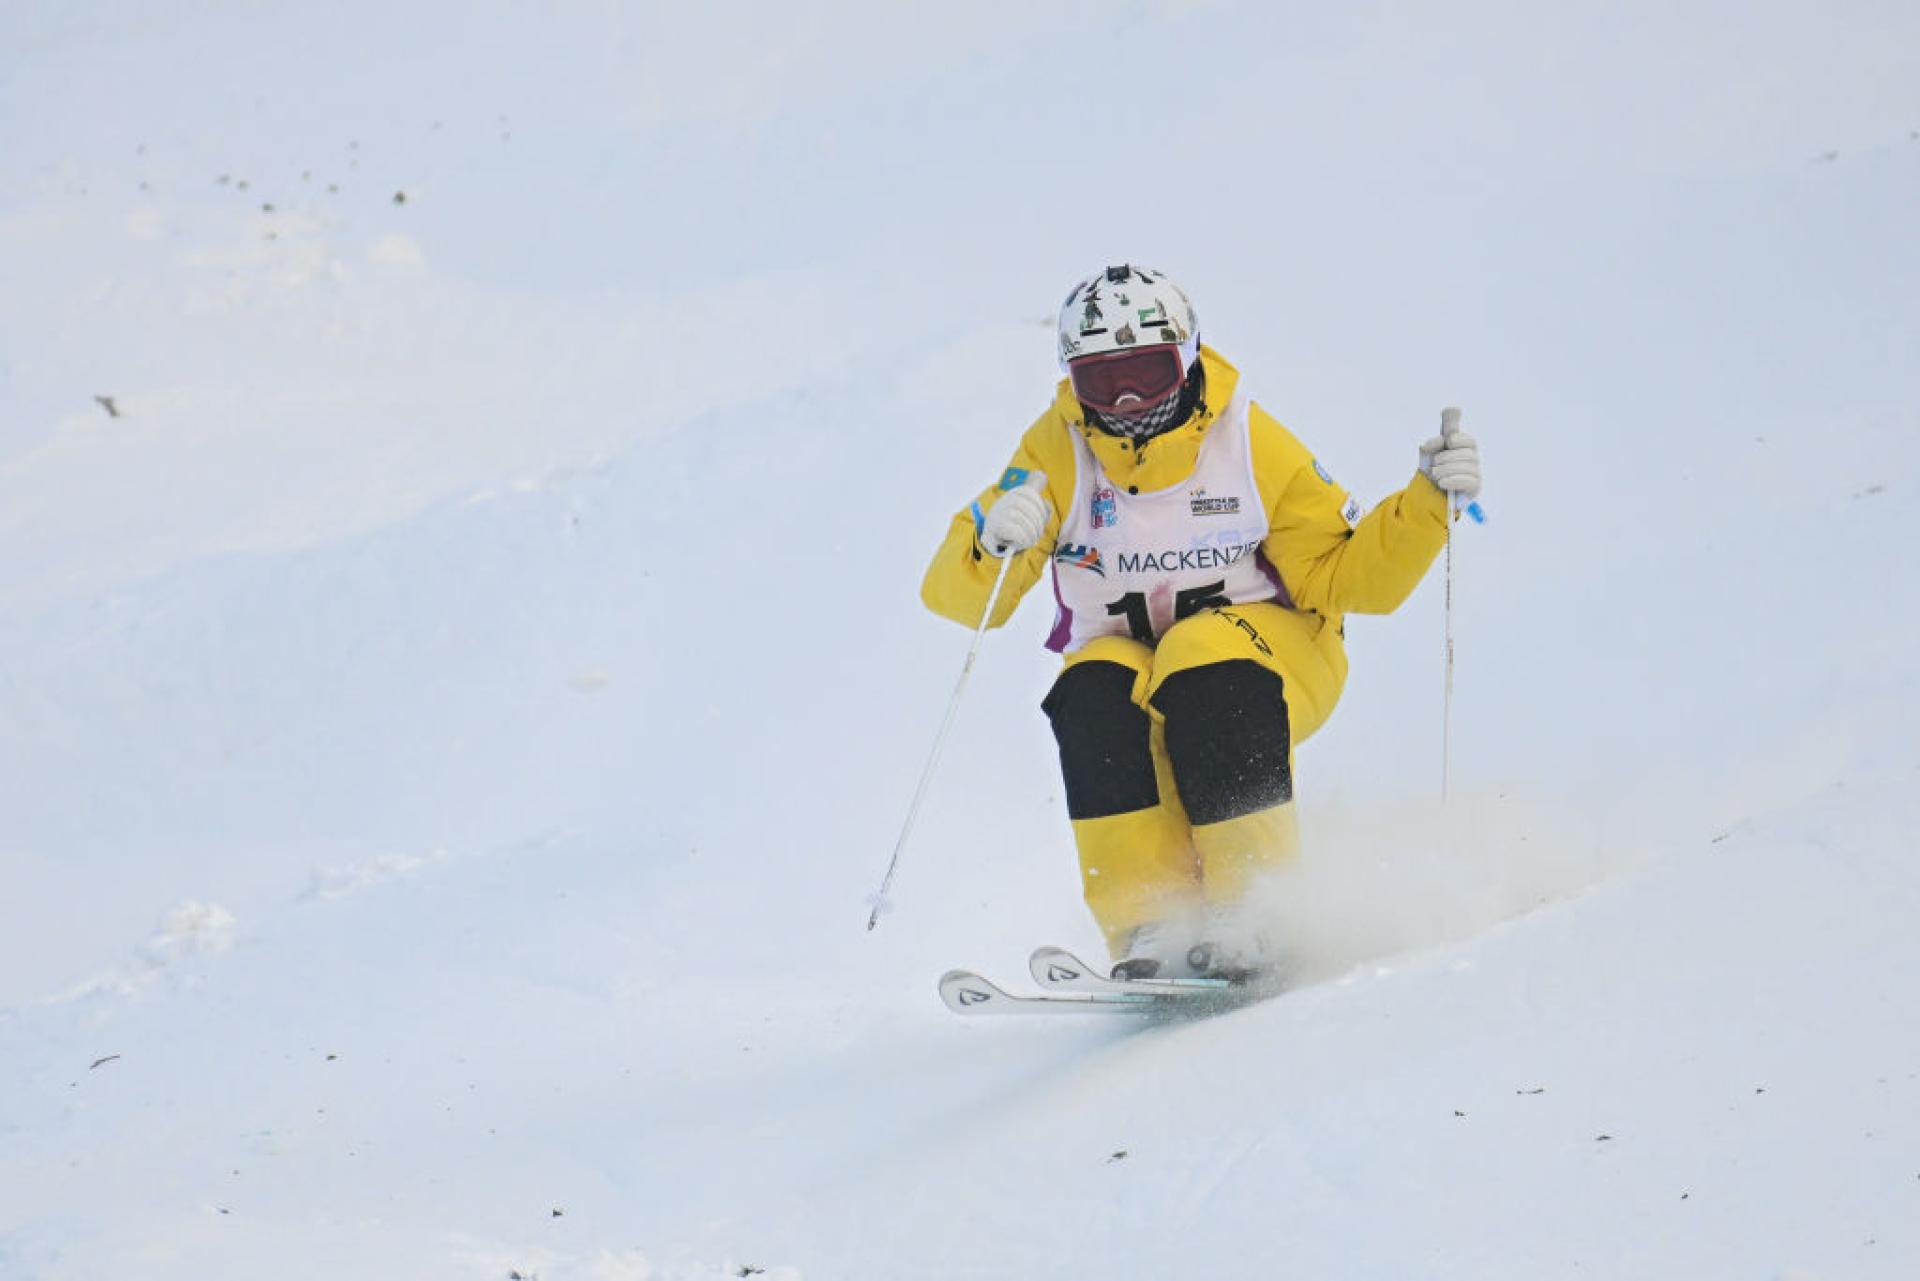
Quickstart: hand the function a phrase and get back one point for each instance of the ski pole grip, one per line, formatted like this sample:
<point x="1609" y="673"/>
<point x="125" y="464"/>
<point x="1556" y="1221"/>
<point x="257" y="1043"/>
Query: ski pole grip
<point x="1449" y="428"/>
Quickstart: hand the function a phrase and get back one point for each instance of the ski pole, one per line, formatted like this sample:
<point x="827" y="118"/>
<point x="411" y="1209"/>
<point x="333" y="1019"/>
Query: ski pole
<point x="1446" y="705"/>
<point x="1450" y="424"/>
<point x="880" y="902"/>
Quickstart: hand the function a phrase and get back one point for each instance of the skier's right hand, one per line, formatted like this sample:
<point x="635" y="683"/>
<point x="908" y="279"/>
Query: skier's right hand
<point x="1018" y="518"/>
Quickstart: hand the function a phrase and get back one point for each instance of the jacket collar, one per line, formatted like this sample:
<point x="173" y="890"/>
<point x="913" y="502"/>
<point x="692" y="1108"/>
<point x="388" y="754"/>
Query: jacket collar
<point x="1148" y="466"/>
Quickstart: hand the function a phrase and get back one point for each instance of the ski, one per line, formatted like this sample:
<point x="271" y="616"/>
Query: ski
<point x="1069" y="985"/>
<point x="968" y="993"/>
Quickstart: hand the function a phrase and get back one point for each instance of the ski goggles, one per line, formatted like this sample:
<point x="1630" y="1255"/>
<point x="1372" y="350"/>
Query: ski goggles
<point x="1128" y="381"/>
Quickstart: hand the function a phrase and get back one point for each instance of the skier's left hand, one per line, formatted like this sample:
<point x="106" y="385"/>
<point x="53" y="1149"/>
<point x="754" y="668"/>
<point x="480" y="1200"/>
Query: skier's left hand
<point x="1451" y="460"/>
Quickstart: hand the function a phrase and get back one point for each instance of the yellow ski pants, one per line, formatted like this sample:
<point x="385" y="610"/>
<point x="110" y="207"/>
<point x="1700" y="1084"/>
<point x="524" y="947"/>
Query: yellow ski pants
<point x="1152" y="861"/>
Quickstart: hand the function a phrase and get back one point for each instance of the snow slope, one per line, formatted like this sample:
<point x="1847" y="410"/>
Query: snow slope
<point x="459" y="693"/>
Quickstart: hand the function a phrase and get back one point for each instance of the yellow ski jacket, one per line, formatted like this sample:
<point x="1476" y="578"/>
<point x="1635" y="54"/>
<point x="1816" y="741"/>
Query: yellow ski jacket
<point x="1331" y="561"/>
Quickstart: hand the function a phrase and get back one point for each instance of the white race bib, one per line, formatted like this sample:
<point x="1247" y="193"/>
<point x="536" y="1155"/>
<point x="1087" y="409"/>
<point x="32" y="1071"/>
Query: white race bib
<point x="1135" y="564"/>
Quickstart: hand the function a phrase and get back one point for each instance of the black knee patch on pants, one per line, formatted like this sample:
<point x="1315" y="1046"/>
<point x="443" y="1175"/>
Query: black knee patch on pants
<point x="1227" y="738"/>
<point x="1105" y="757"/>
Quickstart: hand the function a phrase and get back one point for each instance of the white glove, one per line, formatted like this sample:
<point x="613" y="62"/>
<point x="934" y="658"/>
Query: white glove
<point x="1451" y="460"/>
<point x="1017" y="518"/>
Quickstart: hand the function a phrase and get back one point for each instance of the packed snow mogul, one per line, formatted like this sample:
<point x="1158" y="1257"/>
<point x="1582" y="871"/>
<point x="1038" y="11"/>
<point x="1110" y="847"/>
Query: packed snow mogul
<point x="1203" y="563"/>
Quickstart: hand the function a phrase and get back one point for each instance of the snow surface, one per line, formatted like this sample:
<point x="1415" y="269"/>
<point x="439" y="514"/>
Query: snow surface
<point x="464" y="477"/>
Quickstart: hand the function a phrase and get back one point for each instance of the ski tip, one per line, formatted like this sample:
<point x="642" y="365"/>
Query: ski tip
<point x="1057" y="967"/>
<point x="966" y="992"/>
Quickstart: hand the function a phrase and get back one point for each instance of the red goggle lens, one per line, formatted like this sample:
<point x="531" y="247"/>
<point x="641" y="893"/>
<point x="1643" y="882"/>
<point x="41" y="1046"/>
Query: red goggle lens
<point x="1144" y="376"/>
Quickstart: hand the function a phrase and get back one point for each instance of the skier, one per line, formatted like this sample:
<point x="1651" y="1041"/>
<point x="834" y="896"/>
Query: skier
<point x="1203" y="562"/>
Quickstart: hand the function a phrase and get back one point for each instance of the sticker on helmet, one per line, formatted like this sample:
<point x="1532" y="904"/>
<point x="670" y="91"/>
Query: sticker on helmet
<point x="1321" y="472"/>
<point x="1091" y="319"/>
<point x="1352" y="511"/>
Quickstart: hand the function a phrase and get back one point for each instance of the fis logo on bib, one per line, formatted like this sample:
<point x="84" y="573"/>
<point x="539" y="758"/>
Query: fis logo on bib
<point x="1106" y="508"/>
<point x="1206" y="506"/>
<point x="1080" y="556"/>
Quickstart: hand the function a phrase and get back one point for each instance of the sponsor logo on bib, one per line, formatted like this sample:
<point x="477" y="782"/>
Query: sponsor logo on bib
<point x="1203" y="505"/>
<point x="1106" y="508"/>
<point x="1174" y="560"/>
<point x="1080" y="556"/>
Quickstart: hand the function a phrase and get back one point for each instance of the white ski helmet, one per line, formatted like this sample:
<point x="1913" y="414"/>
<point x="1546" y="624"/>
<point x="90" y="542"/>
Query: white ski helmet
<point x="1124" y="307"/>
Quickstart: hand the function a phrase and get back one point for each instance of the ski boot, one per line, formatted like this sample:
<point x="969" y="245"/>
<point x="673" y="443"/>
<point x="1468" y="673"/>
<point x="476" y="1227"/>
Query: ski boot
<point x="1154" y="951"/>
<point x="1234" y="949"/>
